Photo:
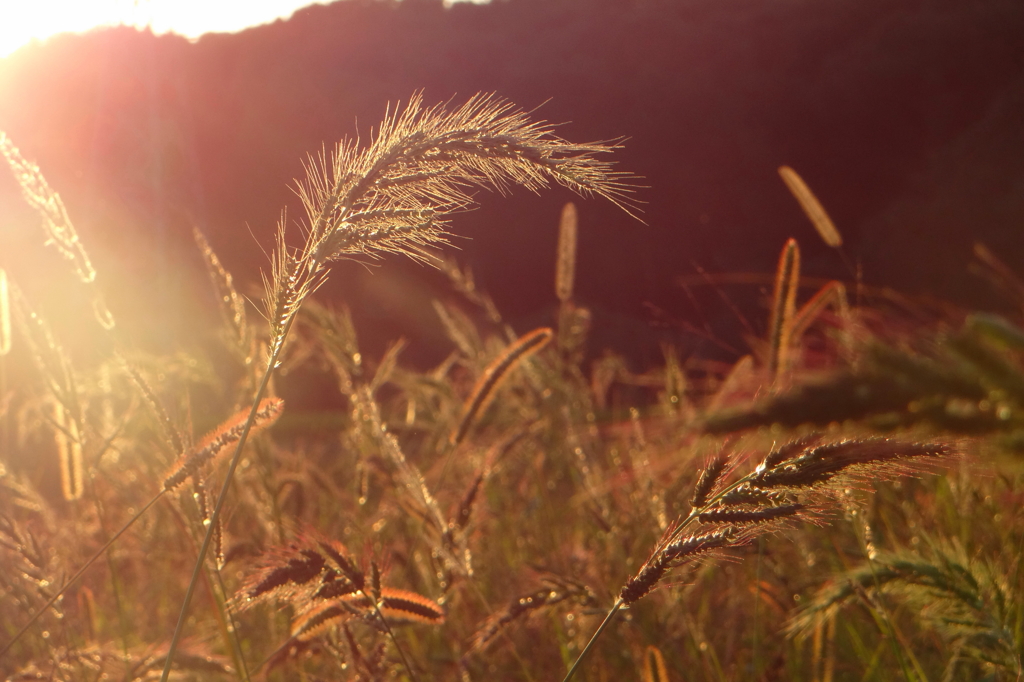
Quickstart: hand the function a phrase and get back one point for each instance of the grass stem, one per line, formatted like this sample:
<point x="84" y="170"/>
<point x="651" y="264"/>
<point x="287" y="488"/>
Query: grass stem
<point x="215" y="516"/>
<point x="604" y="624"/>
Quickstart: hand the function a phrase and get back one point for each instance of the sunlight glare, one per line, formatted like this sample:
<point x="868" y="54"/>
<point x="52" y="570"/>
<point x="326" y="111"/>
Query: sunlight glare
<point x="22" y="21"/>
<point x="39" y="19"/>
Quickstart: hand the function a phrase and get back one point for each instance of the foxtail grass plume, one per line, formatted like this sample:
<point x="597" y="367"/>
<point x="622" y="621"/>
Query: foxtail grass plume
<point x="232" y="305"/>
<point x="48" y="355"/>
<point x="167" y="428"/>
<point x="966" y="601"/>
<point x="709" y="480"/>
<point x="794" y="482"/>
<point x="811" y="206"/>
<point x="494" y="374"/>
<point x="787" y="280"/>
<point x="69" y="451"/>
<point x="395" y="195"/>
<point x="654" y="669"/>
<point x="557" y="591"/>
<point x="56" y="223"/>
<point x="674" y="553"/>
<point x="322" y="581"/>
<point x="60" y="233"/>
<point x="397" y="606"/>
<point x="565" y="272"/>
<point x="202" y="501"/>
<point x="218" y="440"/>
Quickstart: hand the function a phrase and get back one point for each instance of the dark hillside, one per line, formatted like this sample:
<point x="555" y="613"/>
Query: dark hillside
<point x="905" y="117"/>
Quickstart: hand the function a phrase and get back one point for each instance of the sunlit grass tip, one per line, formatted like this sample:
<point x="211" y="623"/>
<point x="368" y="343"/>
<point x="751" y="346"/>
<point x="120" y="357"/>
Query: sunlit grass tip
<point x="565" y="271"/>
<point x="812" y="207"/>
<point x="494" y="374"/>
<point x="780" y="327"/>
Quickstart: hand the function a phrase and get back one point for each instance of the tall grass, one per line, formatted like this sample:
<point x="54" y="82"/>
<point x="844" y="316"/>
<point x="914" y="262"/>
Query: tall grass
<point x="513" y="513"/>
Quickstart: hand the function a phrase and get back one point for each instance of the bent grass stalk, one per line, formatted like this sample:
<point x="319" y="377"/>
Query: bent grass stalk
<point x="394" y="197"/>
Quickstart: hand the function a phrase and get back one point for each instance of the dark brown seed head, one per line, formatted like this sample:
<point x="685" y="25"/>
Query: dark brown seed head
<point x="708" y="479"/>
<point x="410" y="606"/>
<point x="747" y="495"/>
<point x="334" y="585"/>
<point x="466" y="507"/>
<point x="643" y="582"/>
<point x="750" y="516"/>
<point x="671" y="555"/>
<point x="335" y="552"/>
<point x="313" y="622"/>
<point x="693" y="546"/>
<point x="788" y="451"/>
<point x="299" y="570"/>
<point x="827" y="461"/>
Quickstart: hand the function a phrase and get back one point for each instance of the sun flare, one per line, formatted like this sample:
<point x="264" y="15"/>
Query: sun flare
<point x="40" y="19"/>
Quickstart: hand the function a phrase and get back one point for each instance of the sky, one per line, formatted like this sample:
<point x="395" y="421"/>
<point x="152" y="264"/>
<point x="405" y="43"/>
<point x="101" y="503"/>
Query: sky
<point x="22" y="21"/>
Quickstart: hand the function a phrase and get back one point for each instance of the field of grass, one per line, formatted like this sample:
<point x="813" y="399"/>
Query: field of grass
<point x="842" y="503"/>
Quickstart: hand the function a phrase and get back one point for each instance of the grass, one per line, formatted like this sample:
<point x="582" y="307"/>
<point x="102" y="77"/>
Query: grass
<point x="840" y="503"/>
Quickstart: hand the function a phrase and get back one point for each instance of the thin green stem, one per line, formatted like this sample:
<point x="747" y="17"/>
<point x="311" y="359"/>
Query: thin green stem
<point x="683" y="525"/>
<point x="391" y="634"/>
<point x="229" y="629"/>
<point x="215" y="517"/>
<point x="228" y="624"/>
<point x="583" y="654"/>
